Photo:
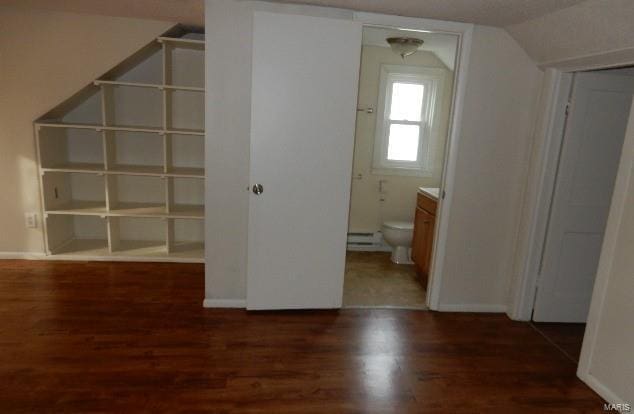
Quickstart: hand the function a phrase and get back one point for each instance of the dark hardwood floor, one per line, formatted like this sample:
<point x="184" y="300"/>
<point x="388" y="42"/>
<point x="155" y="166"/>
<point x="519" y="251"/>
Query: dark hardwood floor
<point x="133" y="337"/>
<point x="568" y="337"/>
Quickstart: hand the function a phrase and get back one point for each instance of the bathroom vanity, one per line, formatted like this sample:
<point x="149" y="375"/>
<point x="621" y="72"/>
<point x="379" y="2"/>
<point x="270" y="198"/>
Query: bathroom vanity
<point x="424" y="224"/>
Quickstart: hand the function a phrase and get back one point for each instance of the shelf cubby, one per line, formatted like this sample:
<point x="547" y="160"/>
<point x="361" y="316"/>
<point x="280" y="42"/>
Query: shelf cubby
<point x="184" y="110"/>
<point x="82" y="109"/>
<point x="74" y="193"/>
<point x="131" y="107"/>
<point x="136" y="195"/>
<point x="86" y="235"/>
<point x="144" y="67"/>
<point x="137" y="236"/>
<point x="186" y="197"/>
<point x="184" y="62"/>
<point x="70" y="149"/>
<point x="185" y="155"/>
<point x="186" y="238"/>
<point x="134" y="152"/>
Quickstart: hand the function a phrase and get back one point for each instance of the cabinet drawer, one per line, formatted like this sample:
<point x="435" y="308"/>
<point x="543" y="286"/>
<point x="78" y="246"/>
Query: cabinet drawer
<point x="426" y="203"/>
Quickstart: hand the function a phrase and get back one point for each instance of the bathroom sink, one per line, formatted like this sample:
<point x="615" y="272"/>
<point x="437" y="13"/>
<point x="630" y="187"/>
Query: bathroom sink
<point x="432" y="192"/>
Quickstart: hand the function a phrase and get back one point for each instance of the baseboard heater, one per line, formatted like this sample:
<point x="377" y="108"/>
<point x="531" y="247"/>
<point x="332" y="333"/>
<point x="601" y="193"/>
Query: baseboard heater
<point x="366" y="242"/>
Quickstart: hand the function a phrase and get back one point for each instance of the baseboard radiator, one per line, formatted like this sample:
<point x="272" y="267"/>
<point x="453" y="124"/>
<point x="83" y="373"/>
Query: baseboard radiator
<point x="367" y="242"/>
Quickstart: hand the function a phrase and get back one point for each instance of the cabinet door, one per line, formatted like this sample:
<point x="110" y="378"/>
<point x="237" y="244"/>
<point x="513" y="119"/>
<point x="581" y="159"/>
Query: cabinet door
<point x="420" y="249"/>
<point x="430" y="222"/>
<point x="417" y="240"/>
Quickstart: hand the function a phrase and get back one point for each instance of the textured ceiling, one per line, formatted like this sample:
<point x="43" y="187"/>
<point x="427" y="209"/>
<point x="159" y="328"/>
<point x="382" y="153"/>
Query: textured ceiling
<point x="488" y="12"/>
<point x="188" y="12"/>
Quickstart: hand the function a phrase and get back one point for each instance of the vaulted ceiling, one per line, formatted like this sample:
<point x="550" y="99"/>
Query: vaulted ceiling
<point x="488" y="12"/>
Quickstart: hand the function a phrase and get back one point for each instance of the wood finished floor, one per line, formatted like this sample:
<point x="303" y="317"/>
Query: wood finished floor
<point x="131" y="337"/>
<point x="568" y="337"/>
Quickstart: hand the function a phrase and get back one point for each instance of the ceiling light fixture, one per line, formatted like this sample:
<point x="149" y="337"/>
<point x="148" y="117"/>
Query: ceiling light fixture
<point x="404" y="46"/>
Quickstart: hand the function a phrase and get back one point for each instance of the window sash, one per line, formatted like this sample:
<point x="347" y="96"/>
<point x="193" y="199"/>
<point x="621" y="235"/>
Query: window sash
<point x="432" y="80"/>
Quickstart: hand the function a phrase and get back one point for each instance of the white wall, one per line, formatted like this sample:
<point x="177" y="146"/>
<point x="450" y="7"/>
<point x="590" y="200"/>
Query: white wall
<point x="598" y="30"/>
<point x="368" y="207"/>
<point x="607" y="362"/>
<point x="46" y="57"/>
<point x="501" y="95"/>
<point x="501" y="92"/>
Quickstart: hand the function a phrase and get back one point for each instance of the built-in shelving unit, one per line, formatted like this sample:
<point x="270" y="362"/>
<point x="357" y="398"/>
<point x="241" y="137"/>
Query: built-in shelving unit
<point x="122" y="162"/>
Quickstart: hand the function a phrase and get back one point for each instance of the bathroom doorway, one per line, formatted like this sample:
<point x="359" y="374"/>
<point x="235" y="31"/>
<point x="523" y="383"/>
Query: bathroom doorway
<point x="406" y="90"/>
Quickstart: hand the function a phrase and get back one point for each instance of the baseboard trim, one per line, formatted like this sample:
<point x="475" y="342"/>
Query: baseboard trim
<point x="225" y="303"/>
<point x="473" y="307"/>
<point x="600" y="389"/>
<point x="22" y="255"/>
<point x="82" y="258"/>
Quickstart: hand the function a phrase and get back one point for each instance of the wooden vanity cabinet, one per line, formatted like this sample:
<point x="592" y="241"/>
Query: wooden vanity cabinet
<point x="422" y="243"/>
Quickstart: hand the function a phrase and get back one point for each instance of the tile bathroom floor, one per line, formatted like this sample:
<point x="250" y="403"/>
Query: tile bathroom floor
<point x="372" y="280"/>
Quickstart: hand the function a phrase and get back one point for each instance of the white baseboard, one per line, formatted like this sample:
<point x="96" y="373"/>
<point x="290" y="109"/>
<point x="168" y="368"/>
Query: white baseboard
<point x="225" y="303"/>
<point x="473" y="307"/>
<point x="601" y="389"/>
<point x="22" y="255"/>
<point x="83" y="258"/>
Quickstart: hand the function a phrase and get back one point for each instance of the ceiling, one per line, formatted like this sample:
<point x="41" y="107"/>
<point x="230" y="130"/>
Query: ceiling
<point x="442" y="45"/>
<point x="488" y="12"/>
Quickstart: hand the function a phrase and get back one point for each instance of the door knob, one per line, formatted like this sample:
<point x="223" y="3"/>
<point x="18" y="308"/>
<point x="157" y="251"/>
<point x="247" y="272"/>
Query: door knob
<point x="258" y="189"/>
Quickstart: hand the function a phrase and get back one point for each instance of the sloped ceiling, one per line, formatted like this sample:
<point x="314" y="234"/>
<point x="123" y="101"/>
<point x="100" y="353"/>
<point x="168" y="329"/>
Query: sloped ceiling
<point x="589" y="28"/>
<point x="188" y="12"/>
<point x="488" y="12"/>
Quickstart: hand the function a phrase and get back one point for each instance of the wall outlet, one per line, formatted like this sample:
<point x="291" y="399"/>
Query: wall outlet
<point x="30" y="220"/>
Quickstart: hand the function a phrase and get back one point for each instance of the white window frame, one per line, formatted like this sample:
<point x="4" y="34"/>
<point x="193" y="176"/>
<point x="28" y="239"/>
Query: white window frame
<point x="433" y="81"/>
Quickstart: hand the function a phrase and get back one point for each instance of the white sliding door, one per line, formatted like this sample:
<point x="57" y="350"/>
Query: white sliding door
<point x="595" y="130"/>
<point x="304" y="94"/>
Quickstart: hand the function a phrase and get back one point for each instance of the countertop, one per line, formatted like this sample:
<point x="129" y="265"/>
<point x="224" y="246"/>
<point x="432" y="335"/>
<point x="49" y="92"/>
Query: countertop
<point x="432" y="192"/>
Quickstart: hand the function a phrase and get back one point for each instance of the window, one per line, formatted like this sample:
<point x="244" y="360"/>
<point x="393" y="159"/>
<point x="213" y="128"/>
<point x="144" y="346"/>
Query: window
<point x="405" y="127"/>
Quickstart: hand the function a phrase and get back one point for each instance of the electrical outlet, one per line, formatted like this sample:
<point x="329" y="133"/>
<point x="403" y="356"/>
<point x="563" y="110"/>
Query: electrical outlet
<point x="31" y="220"/>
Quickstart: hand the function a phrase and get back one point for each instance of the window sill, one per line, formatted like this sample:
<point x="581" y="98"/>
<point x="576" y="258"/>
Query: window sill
<point x="407" y="172"/>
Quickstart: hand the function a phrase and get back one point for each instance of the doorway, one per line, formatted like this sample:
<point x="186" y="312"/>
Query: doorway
<point x="301" y="153"/>
<point x="402" y="126"/>
<point x="598" y="108"/>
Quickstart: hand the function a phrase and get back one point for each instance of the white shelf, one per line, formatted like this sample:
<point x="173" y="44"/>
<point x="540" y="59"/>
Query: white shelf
<point x="75" y="167"/>
<point x="149" y="85"/>
<point x="97" y="249"/>
<point x="181" y="41"/>
<point x="121" y="162"/>
<point x="187" y="211"/>
<point x="90" y="208"/>
<point x="99" y="128"/>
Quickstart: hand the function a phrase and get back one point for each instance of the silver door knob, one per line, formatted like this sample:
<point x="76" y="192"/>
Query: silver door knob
<point x="258" y="189"/>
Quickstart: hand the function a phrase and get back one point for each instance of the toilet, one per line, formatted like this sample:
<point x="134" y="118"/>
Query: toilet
<point x="398" y="234"/>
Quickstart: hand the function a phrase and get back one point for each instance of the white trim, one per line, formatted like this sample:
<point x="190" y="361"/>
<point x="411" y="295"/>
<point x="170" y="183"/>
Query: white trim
<point x="86" y="258"/>
<point x="547" y="137"/>
<point x="473" y="307"/>
<point x="464" y="31"/>
<point x="22" y="255"/>
<point x="225" y="303"/>
<point x="599" y="294"/>
<point x="601" y="389"/>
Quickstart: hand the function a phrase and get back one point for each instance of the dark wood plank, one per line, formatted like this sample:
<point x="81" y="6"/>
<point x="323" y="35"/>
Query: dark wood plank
<point x="133" y="337"/>
<point x="567" y="336"/>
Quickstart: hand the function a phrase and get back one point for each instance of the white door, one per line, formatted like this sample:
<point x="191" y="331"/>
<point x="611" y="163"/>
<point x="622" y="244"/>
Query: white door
<point x="595" y="130"/>
<point x="304" y="86"/>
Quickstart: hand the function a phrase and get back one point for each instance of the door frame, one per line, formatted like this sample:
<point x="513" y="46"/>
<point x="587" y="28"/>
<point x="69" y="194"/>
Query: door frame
<point x="464" y="32"/>
<point x="548" y="139"/>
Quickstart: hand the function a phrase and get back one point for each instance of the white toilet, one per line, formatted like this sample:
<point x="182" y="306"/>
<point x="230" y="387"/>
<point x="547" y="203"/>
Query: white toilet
<point x="398" y="234"/>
